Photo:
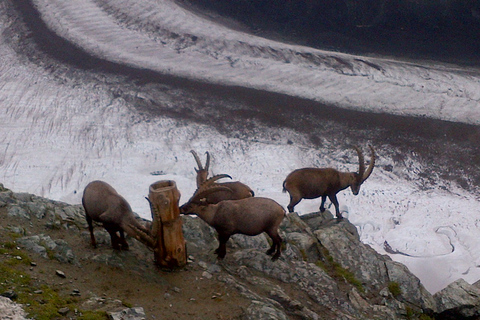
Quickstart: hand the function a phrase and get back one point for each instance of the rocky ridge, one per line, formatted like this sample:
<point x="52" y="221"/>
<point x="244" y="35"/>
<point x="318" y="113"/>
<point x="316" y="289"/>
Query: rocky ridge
<point x="325" y="271"/>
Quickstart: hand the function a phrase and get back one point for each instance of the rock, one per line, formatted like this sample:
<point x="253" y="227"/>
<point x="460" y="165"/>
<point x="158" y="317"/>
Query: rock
<point x="309" y="281"/>
<point x="11" y="310"/>
<point x="459" y="300"/>
<point x="75" y="293"/>
<point x="373" y="270"/>
<point x="6" y="197"/>
<point x="262" y="311"/>
<point x="136" y="313"/>
<point x="23" y="197"/>
<point x="61" y="274"/>
<point x="43" y="244"/>
<point x="412" y="291"/>
<point x="17" y="211"/>
<point x="10" y="294"/>
<point x="63" y="311"/>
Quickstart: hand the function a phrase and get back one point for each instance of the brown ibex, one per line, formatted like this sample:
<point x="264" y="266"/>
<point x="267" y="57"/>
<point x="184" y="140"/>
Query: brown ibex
<point x="249" y="216"/>
<point x="238" y="190"/>
<point x="311" y="183"/>
<point x="103" y="204"/>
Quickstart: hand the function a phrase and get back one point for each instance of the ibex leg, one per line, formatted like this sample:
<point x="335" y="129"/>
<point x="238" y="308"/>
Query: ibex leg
<point x="276" y="246"/>
<point x="294" y="200"/>
<point x="222" y="248"/>
<point x="335" y="203"/>
<point x="322" y="205"/>
<point x="123" y="242"/>
<point x="90" y="228"/>
<point x="113" y="236"/>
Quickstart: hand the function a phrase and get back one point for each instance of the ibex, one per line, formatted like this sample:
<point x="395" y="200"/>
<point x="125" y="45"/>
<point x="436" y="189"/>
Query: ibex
<point x="238" y="189"/>
<point x="103" y="204"/>
<point x="249" y="216"/>
<point x="311" y="183"/>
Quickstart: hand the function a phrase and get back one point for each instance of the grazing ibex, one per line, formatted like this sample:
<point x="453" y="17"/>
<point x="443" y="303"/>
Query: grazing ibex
<point x="311" y="183"/>
<point x="249" y="216"/>
<point x="238" y="190"/>
<point x="103" y="204"/>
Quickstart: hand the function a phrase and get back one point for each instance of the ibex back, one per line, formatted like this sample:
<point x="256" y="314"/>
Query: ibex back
<point x="249" y="216"/>
<point x="103" y="204"/>
<point x="311" y="183"/>
<point x="238" y="189"/>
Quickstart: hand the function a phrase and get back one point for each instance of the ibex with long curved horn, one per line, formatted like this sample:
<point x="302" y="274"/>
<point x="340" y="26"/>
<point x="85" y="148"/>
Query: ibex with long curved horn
<point x="249" y="216"/>
<point x="311" y="183"/>
<point x="103" y="204"/>
<point x="238" y="190"/>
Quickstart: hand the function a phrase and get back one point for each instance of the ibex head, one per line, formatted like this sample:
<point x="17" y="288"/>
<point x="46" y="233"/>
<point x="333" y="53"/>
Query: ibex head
<point x="362" y="174"/>
<point x="199" y="197"/>
<point x="202" y="173"/>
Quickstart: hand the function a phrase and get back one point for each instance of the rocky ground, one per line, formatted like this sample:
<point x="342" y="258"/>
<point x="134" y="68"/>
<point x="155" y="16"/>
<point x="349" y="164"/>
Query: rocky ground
<point x="325" y="272"/>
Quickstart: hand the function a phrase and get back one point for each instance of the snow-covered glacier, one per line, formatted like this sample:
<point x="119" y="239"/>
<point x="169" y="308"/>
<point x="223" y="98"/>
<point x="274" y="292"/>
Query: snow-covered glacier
<point x="124" y="89"/>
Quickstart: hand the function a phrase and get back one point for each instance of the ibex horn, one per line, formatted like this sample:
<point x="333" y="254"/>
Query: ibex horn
<point x="197" y="159"/>
<point x="371" y="165"/>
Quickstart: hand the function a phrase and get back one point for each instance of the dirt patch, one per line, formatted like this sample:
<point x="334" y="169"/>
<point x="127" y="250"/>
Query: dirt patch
<point x="103" y="285"/>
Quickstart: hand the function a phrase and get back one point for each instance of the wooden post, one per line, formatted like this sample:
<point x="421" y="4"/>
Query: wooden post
<point x="170" y="251"/>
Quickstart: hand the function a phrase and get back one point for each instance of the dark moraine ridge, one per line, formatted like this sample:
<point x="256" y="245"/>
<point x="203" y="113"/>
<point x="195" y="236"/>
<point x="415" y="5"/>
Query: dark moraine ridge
<point x="451" y="149"/>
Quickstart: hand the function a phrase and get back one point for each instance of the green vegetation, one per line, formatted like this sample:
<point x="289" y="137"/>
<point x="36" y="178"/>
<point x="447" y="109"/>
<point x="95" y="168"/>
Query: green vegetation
<point x="40" y="303"/>
<point x="335" y="270"/>
<point x="394" y="289"/>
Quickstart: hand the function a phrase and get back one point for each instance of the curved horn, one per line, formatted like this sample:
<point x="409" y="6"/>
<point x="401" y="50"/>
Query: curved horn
<point x="211" y="180"/>
<point x="197" y="159"/>
<point x="361" y="164"/>
<point x="202" y="193"/>
<point x="207" y="163"/>
<point x="370" y="166"/>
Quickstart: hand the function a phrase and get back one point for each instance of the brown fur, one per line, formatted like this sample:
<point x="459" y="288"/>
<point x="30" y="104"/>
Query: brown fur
<point x="239" y="189"/>
<point x="312" y="183"/>
<point x="249" y="216"/>
<point x="103" y="204"/>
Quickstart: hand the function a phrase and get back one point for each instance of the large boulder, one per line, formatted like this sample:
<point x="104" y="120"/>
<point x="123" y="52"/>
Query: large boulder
<point x="459" y="300"/>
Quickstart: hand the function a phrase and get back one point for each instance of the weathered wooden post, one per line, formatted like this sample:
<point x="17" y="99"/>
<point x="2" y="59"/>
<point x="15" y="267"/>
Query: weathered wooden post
<point x="169" y="251"/>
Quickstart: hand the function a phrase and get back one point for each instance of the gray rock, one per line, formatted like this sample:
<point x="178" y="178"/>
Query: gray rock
<point x="11" y="310"/>
<point x="315" y="244"/>
<point x="23" y="197"/>
<point x="459" y="300"/>
<point x="259" y="310"/>
<point x="17" y="211"/>
<point x="42" y="244"/>
<point x="341" y="240"/>
<point x="412" y="291"/>
<point x="305" y="246"/>
<point x="32" y="244"/>
<point x="136" y="313"/>
<point x="38" y="209"/>
<point x="60" y="273"/>
<point x="63" y="311"/>
<point x="7" y="197"/>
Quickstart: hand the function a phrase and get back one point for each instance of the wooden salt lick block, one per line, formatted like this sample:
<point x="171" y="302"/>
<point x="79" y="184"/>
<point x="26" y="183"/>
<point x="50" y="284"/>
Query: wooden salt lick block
<point x="170" y="251"/>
